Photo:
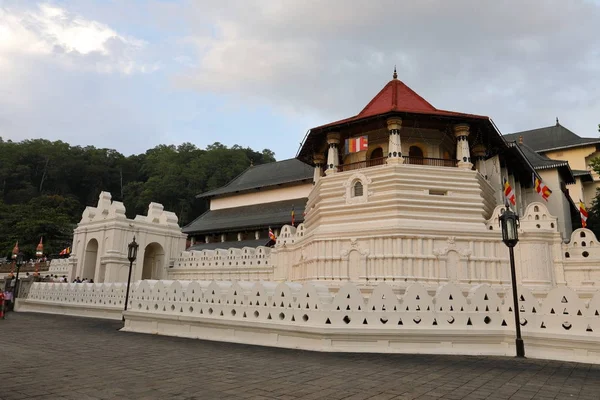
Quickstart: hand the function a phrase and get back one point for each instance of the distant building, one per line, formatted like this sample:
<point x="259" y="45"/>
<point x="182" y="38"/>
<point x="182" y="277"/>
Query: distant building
<point x="260" y="198"/>
<point x="559" y="143"/>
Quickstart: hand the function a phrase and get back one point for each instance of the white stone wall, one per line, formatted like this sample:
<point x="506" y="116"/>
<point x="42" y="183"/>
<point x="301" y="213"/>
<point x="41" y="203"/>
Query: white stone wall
<point x="561" y="325"/>
<point x="60" y="267"/>
<point x="308" y="316"/>
<point x="402" y="258"/>
<point x="96" y="300"/>
<point x="266" y="195"/>
<point x="248" y="263"/>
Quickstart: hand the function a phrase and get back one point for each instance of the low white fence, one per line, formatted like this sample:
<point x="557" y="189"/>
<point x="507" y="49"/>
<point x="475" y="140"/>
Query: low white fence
<point x="560" y="326"/>
<point x="96" y="300"/>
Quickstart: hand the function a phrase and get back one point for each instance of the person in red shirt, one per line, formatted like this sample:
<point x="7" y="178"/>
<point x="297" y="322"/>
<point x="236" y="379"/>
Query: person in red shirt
<point x="1" y="304"/>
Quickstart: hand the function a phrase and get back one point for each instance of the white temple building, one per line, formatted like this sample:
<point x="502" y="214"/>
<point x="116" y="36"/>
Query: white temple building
<point x="419" y="203"/>
<point x="395" y="247"/>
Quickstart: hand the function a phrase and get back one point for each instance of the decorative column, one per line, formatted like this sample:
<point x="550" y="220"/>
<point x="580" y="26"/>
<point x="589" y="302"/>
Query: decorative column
<point x="240" y="236"/>
<point x="394" y="145"/>
<point x="319" y="160"/>
<point x="257" y="235"/>
<point x="479" y="152"/>
<point x="206" y="239"/>
<point x="333" y="159"/>
<point x="463" y="155"/>
<point x="223" y="237"/>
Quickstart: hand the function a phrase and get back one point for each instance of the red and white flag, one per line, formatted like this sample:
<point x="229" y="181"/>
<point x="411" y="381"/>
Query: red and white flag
<point x="584" y="214"/>
<point x="509" y="195"/>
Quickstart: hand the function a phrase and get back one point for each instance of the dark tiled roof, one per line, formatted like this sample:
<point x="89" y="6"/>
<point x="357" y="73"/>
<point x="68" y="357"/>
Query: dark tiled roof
<point x="550" y="138"/>
<point x="229" y="245"/>
<point x="265" y="175"/>
<point x="251" y="217"/>
<point x="584" y="175"/>
<point x="539" y="161"/>
<point x="579" y="172"/>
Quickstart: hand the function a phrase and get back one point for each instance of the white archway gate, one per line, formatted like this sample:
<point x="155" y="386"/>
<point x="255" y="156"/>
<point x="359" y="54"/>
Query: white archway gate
<point x="101" y="238"/>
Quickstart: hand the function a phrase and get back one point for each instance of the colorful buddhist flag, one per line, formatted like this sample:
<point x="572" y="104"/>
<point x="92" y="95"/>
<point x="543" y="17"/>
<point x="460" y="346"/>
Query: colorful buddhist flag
<point x="509" y="195"/>
<point x="354" y="145"/>
<point x="541" y="188"/>
<point x="272" y="235"/>
<point x="584" y="214"/>
<point x="293" y="216"/>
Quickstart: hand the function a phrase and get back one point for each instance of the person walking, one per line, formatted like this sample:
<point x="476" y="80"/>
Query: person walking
<point x="1" y="304"/>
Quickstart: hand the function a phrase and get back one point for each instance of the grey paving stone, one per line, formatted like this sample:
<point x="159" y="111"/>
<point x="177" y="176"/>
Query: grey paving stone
<point x="57" y="357"/>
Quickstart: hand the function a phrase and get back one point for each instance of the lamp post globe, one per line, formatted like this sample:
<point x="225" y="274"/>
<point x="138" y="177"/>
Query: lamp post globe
<point x="132" y="249"/>
<point x="509" y="221"/>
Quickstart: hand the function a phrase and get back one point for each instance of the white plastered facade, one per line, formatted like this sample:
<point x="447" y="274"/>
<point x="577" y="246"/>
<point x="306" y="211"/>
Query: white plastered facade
<point x="101" y="238"/>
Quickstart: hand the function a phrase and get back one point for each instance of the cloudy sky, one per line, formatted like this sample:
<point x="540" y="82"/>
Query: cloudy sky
<point x="129" y="74"/>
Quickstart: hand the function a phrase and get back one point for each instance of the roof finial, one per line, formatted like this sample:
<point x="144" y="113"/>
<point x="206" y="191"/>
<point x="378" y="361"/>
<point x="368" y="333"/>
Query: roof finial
<point x="395" y="74"/>
<point x="557" y="121"/>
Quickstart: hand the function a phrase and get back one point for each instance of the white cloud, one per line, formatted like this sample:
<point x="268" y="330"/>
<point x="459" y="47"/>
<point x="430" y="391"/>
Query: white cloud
<point x="70" y="40"/>
<point x="522" y="63"/>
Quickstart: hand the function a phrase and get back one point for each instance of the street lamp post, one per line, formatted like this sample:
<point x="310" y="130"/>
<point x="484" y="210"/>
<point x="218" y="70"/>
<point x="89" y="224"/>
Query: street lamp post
<point x="39" y="253"/>
<point x="19" y="263"/>
<point x="510" y="236"/>
<point x="131" y="255"/>
<point x="15" y="251"/>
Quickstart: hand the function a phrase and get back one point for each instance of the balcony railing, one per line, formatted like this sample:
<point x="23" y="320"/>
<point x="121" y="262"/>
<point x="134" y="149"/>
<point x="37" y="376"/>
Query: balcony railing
<point x="436" y="162"/>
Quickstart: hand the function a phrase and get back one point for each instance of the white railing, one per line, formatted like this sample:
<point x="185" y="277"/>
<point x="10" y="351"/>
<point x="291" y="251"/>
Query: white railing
<point x="99" y="300"/>
<point x="560" y="326"/>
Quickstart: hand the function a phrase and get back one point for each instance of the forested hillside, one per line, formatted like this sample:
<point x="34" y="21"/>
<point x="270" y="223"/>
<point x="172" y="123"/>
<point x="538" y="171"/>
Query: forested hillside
<point x="46" y="185"/>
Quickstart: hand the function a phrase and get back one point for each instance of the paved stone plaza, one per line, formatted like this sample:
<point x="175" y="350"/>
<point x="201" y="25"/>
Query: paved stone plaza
<point x="95" y="361"/>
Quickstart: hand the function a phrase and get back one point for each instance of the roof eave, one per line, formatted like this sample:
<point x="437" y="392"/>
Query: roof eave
<point x="569" y="146"/>
<point x="248" y="190"/>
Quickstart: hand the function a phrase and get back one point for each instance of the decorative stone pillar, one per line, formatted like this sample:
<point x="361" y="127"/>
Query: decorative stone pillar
<point x="319" y="160"/>
<point x="223" y="237"/>
<point x="463" y="155"/>
<point x="257" y="235"/>
<point x="394" y="145"/>
<point x="479" y="152"/>
<point x="333" y="140"/>
<point x="206" y="239"/>
<point x="240" y="236"/>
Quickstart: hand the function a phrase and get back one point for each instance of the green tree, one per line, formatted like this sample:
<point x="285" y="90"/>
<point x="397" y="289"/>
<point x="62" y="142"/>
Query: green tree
<point x="45" y="185"/>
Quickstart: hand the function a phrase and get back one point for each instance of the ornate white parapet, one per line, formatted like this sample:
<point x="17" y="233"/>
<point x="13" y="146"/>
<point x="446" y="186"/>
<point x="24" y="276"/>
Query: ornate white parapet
<point x="61" y="267"/>
<point x="560" y="325"/>
<point x="308" y="316"/>
<point x="95" y="300"/>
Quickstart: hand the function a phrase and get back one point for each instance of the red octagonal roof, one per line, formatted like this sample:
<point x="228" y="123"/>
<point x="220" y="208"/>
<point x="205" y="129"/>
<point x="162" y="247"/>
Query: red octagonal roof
<point x="396" y="96"/>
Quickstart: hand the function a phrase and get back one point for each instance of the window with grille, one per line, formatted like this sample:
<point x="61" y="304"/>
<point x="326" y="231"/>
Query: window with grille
<point x="358" y="189"/>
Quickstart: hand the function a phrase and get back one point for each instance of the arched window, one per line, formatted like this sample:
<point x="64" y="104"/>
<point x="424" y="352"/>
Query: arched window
<point x="376" y="153"/>
<point x="357" y="189"/>
<point x="415" y="155"/>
